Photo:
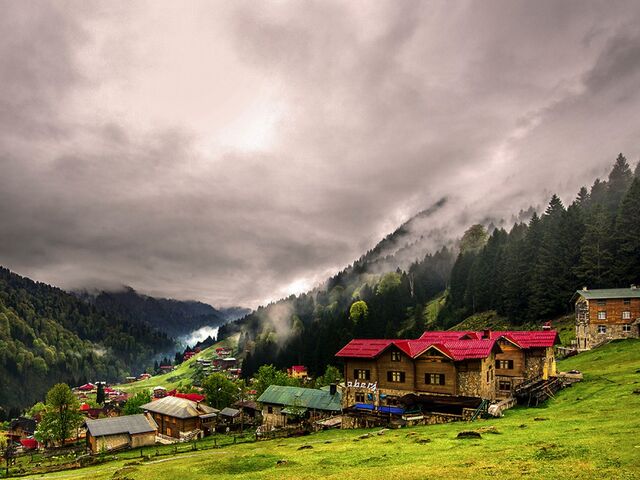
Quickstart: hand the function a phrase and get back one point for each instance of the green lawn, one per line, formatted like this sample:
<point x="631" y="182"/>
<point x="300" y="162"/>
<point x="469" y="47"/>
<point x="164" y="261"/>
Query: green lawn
<point x="590" y="430"/>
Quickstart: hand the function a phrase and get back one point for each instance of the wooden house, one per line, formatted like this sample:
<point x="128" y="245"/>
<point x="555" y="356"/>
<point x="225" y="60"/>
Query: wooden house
<point x="440" y="376"/>
<point x="283" y="406"/>
<point x="129" y="431"/>
<point x="179" y="416"/>
<point x="21" y="428"/>
<point x="606" y="314"/>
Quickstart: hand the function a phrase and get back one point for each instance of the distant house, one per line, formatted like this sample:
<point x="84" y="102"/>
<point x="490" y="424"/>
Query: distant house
<point x="229" y="416"/>
<point x="159" y="392"/>
<point x="144" y="376"/>
<point x="166" y="368"/>
<point x="282" y="406"/>
<point x="87" y="387"/>
<point x="249" y="408"/>
<point x="129" y="431"/>
<point x="20" y="428"/>
<point x="187" y="355"/>
<point x="297" y="371"/>
<point x="176" y="416"/>
<point x="606" y="314"/>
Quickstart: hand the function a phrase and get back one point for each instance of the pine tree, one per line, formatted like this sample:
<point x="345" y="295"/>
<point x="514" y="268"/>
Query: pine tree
<point x="548" y="291"/>
<point x="594" y="268"/>
<point x="583" y="198"/>
<point x="627" y="265"/>
<point x="618" y="184"/>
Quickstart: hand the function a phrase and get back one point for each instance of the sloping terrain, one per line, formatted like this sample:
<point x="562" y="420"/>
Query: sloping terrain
<point x="589" y="430"/>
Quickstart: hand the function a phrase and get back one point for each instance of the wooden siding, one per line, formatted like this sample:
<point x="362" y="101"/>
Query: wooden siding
<point x="385" y="364"/>
<point x="512" y="353"/>
<point x="429" y="363"/>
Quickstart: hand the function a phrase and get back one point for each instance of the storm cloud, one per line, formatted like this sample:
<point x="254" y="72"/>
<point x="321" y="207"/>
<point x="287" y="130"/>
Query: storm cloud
<point x="235" y="152"/>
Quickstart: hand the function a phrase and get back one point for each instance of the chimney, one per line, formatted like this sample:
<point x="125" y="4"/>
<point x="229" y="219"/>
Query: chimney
<point x="486" y="333"/>
<point x="332" y="389"/>
<point x="633" y="286"/>
<point x="546" y="326"/>
<point x="584" y="289"/>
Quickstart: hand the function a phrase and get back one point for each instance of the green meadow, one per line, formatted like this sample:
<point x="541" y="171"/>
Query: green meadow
<point x="590" y="430"/>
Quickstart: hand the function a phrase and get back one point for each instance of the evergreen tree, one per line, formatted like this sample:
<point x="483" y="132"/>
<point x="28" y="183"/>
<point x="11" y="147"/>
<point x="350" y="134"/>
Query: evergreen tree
<point x="594" y="267"/>
<point x="627" y="265"/>
<point x="100" y="394"/>
<point x="618" y="184"/>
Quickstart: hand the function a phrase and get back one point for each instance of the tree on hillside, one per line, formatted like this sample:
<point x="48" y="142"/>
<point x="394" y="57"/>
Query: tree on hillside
<point x="358" y="312"/>
<point x="270" y="375"/>
<point x="100" y="394"/>
<point x="627" y="265"/>
<point x="62" y="414"/>
<point x="619" y="180"/>
<point x="220" y="391"/>
<point x="133" y="405"/>
<point x="331" y="375"/>
<point x="473" y="239"/>
<point x="596" y="259"/>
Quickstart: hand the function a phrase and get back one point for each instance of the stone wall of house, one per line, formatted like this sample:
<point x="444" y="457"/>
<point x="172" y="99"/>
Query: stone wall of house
<point x="478" y="383"/>
<point x="275" y="419"/>
<point x="614" y="332"/>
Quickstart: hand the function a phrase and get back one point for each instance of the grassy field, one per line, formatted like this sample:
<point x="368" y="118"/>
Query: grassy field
<point x="590" y="430"/>
<point x="181" y="376"/>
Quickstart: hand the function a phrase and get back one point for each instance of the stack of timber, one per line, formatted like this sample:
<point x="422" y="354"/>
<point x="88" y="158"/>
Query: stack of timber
<point x="536" y="392"/>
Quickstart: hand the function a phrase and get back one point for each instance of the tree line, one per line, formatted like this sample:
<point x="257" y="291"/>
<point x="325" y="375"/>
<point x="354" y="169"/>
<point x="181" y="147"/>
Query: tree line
<point x="531" y="272"/>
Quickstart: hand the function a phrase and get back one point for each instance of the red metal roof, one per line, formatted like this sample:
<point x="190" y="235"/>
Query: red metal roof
<point x="363" y="348"/>
<point x="456" y="345"/>
<point x="456" y="349"/>
<point x="194" y="397"/>
<point x="298" y="368"/>
<point x="528" y="338"/>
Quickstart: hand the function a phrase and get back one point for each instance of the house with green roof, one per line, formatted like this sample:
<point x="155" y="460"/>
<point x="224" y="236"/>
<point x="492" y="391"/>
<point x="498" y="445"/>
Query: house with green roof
<point x="282" y="406"/>
<point x="606" y="314"/>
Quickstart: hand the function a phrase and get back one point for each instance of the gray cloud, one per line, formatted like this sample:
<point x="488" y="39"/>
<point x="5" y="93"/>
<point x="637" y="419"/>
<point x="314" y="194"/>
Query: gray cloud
<point x="234" y="153"/>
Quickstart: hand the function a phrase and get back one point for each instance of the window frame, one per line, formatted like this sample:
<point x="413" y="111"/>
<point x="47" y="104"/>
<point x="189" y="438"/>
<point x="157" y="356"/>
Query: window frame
<point x="500" y="364"/>
<point x="437" y="379"/>
<point x="602" y="314"/>
<point x="626" y="328"/>
<point x="626" y="315"/>
<point x="395" y="356"/>
<point x="502" y="383"/>
<point x="602" y="329"/>
<point x="361" y="374"/>
<point x="396" y="376"/>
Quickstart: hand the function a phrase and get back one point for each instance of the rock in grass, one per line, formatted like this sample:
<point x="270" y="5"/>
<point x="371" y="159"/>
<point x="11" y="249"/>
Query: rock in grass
<point x="522" y="426"/>
<point x="305" y="447"/>
<point x="382" y="432"/>
<point x="636" y="392"/>
<point x="366" y="435"/>
<point x="469" y="434"/>
<point x="282" y="462"/>
<point x="490" y="429"/>
<point x="423" y="441"/>
<point x="540" y="419"/>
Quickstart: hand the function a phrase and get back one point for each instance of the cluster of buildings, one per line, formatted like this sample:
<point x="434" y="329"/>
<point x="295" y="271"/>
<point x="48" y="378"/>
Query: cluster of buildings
<point x="439" y="377"/>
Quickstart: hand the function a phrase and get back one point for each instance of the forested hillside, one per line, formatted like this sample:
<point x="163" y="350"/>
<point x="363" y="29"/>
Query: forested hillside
<point x="531" y="272"/>
<point x="174" y="317"/>
<point x="49" y="336"/>
<point x="527" y="274"/>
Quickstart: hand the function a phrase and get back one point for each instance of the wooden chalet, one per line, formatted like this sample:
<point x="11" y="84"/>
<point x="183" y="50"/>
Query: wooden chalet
<point x="129" y="431"/>
<point x="441" y="376"/>
<point x="177" y="417"/>
<point x="606" y="314"/>
<point x="21" y="428"/>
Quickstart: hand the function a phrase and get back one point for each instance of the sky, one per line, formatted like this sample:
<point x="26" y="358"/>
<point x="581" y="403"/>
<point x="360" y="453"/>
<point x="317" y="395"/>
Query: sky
<point x="236" y="152"/>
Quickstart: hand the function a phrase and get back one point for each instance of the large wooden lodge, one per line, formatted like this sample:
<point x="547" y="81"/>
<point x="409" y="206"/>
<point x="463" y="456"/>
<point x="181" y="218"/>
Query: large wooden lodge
<point x="441" y="376"/>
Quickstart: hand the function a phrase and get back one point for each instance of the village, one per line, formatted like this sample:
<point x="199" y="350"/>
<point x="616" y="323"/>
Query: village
<point x="439" y="377"/>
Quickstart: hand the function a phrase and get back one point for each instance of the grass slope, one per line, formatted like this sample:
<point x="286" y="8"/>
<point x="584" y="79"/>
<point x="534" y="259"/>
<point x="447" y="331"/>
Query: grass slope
<point x="588" y="431"/>
<point x="182" y="376"/>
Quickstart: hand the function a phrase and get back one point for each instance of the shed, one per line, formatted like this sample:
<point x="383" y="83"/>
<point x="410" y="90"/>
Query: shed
<point x="115" y="433"/>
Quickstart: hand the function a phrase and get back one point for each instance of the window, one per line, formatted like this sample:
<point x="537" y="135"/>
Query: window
<point x="359" y="397"/>
<point x="361" y="374"/>
<point x="396" y="377"/>
<point x="269" y="409"/>
<point x="434" y="378"/>
<point x="602" y="303"/>
<point x="627" y="301"/>
<point x="602" y="315"/>
<point x="626" y="328"/>
<point x="504" y="364"/>
<point x="626" y="315"/>
<point x="504" y="385"/>
<point x="395" y="356"/>
<point x="602" y="329"/>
